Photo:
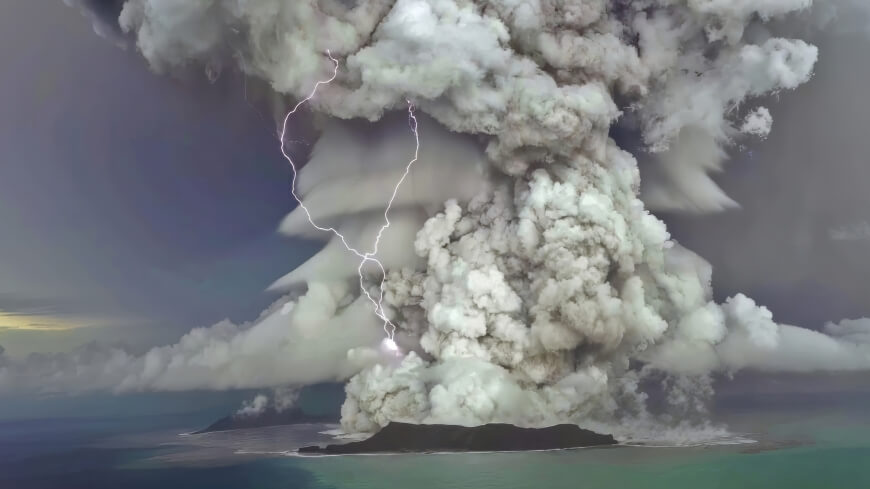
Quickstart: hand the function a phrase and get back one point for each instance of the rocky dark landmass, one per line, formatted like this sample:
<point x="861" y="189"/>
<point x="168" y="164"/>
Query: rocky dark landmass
<point x="422" y="438"/>
<point x="269" y="417"/>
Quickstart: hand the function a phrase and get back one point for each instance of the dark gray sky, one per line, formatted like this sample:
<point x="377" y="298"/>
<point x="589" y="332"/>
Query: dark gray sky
<point x="809" y="180"/>
<point x="139" y="202"/>
<point x="147" y="205"/>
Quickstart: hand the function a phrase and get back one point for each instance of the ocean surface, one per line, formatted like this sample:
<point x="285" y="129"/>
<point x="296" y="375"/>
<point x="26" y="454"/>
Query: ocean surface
<point x="814" y="446"/>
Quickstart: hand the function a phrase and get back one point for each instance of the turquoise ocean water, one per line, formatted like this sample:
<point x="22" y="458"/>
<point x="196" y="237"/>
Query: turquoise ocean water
<point x="829" y="451"/>
<point x="813" y="448"/>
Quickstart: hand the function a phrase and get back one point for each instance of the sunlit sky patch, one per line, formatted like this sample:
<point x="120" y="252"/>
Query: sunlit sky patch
<point x="10" y="321"/>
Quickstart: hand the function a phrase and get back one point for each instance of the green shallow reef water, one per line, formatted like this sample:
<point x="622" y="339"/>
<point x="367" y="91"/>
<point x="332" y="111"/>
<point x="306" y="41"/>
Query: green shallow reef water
<point x="838" y="458"/>
<point x="820" y="448"/>
<point x="830" y="467"/>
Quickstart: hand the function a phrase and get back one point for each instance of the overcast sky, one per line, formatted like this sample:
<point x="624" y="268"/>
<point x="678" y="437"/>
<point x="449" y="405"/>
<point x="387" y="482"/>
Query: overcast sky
<point x="801" y="241"/>
<point x="139" y="202"/>
<point x="144" y="205"/>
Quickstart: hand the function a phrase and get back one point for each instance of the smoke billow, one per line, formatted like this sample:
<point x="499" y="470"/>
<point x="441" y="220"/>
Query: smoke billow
<point x="353" y="169"/>
<point x="254" y="407"/>
<point x="312" y="338"/>
<point x="282" y="399"/>
<point x="546" y="292"/>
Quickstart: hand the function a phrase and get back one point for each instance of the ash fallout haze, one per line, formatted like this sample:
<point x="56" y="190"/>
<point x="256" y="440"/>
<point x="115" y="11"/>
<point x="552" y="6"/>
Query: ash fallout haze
<point x="487" y="251"/>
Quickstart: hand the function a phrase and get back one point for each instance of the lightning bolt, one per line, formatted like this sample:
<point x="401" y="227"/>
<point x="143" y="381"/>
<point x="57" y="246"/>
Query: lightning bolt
<point x="369" y="256"/>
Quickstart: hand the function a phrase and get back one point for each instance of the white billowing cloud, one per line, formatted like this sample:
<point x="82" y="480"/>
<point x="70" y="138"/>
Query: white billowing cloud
<point x="742" y="335"/>
<point x="352" y="173"/>
<point x="335" y="262"/>
<point x="688" y="122"/>
<point x="535" y="312"/>
<point x="310" y="343"/>
<point x="680" y="179"/>
<point x="734" y="15"/>
<point x="313" y="339"/>
<point x="480" y="66"/>
<point x="284" y="398"/>
<point x="855" y="331"/>
<point x="701" y="94"/>
<point x="551" y="293"/>
<point x="355" y="167"/>
<point x="758" y="123"/>
<point x="758" y="342"/>
<point x="254" y="407"/>
<point x="281" y="399"/>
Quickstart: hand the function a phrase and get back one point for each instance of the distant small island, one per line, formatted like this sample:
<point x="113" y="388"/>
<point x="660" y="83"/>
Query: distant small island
<point x="269" y="417"/>
<point x="423" y="438"/>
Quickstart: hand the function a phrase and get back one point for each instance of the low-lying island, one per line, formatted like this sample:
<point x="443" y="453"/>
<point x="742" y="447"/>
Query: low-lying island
<point x="427" y="438"/>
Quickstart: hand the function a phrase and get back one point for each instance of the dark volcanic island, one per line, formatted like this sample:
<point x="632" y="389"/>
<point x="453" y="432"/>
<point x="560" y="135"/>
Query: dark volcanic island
<point x="422" y="438"/>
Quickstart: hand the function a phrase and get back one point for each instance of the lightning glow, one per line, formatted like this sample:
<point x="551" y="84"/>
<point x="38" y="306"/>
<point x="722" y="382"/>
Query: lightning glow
<point x="365" y="257"/>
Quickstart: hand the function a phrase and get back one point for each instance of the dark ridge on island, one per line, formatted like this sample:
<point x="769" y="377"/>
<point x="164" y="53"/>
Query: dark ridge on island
<point x="423" y="438"/>
<point x="269" y="417"/>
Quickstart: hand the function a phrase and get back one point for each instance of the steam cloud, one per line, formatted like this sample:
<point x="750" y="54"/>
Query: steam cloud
<point x="543" y="291"/>
<point x="283" y="398"/>
<point x="307" y="340"/>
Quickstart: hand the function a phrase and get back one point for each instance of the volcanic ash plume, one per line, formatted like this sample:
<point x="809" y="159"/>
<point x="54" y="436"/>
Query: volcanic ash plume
<point x="283" y="398"/>
<point x="549" y="293"/>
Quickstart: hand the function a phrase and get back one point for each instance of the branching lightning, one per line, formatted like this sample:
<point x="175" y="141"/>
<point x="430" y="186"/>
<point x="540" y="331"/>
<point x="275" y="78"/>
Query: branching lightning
<point x="365" y="257"/>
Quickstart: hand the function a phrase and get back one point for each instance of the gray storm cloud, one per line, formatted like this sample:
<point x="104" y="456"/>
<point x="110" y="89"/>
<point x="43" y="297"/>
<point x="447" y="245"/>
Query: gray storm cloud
<point x="543" y="290"/>
<point x="352" y="171"/>
<point x="313" y="338"/>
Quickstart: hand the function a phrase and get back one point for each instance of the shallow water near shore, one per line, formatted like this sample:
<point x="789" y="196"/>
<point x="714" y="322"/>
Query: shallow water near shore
<point x="796" y="449"/>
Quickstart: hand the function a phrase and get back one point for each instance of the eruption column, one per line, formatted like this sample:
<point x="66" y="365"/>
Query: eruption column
<point x="371" y="256"/>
